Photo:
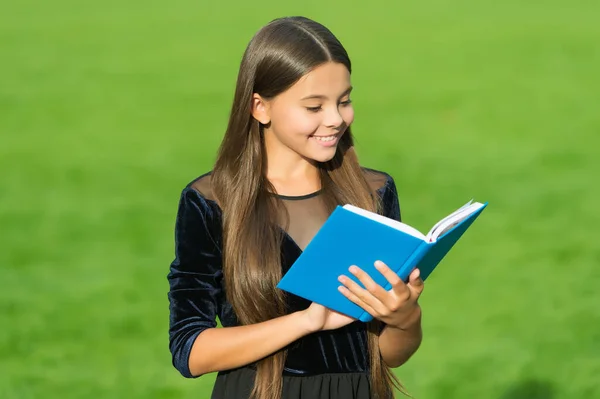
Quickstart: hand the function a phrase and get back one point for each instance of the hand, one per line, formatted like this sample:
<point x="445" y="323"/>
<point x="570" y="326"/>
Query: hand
<point x="319" y="318"/>
<point x="397" y="307"/>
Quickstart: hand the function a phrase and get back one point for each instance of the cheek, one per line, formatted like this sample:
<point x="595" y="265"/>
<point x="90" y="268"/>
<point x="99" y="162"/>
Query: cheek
<point x="296" y="122"/>
<point x="347" y="114"/>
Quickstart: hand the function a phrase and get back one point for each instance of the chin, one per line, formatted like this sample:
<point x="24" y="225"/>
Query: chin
<point x="323" y="157"/>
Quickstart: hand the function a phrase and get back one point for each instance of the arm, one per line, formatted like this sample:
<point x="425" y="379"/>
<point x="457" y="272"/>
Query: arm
<point x="397" y="308"/>
<point x="226" y="348"/>
<point x="197" y="346"/>
<point x="195" y="296"/>
<point x="218" y="349"/>
<point x="397" y="345"/>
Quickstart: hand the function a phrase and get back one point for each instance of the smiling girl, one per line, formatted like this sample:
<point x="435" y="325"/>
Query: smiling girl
<point x="286" y="160"/>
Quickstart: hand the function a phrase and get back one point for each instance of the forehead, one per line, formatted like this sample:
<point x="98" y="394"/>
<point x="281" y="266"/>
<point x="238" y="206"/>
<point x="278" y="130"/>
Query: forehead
<point x="330" y="79"/>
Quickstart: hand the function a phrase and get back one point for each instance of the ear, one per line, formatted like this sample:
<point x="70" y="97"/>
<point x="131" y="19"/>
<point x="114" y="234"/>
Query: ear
<point x="260" y="109"/>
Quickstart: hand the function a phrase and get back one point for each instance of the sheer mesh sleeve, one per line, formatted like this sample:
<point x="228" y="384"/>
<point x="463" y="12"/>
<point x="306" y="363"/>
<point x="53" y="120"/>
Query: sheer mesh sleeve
<point x="194" y="278"/>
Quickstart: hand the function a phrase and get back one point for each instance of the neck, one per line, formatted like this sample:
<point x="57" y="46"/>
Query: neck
<point x="289" y="172"/>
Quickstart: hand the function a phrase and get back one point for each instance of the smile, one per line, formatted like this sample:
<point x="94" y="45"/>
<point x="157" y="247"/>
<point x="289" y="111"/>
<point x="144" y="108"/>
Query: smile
<point x="327" y="141"/>
<point x="325" y="138"/>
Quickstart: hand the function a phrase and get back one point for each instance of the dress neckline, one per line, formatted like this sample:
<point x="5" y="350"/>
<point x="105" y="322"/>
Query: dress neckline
<point x="298" y="197"/>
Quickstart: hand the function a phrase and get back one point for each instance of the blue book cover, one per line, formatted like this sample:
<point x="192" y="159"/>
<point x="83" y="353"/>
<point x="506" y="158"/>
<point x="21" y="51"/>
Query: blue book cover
<point x="353" y="236"/>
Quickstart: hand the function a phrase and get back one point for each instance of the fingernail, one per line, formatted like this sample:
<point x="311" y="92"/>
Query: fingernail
<point x="353" y="269"/>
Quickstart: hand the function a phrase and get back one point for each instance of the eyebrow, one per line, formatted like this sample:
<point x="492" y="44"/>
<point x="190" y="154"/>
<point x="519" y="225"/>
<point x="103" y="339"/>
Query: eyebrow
<point x="323" y="97"/>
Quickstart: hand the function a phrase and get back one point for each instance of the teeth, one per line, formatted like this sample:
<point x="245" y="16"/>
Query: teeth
<point x="330" y="138"/>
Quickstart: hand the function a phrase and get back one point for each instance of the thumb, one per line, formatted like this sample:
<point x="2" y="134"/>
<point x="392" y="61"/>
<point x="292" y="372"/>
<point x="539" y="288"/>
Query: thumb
<point x="415" y="281"/>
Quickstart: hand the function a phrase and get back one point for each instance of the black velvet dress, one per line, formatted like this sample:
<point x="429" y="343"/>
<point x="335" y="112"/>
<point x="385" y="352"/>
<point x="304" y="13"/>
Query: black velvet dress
<point x="325" y="365"/>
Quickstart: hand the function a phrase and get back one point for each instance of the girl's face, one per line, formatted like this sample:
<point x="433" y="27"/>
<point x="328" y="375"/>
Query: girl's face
<point x="310" y="117"/>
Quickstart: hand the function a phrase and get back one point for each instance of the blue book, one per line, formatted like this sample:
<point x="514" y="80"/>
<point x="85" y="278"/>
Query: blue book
<point x="354" y="236"/>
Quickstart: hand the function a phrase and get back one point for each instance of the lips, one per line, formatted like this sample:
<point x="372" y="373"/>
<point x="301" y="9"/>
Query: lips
<point x="327" y="141"/>
<point x="325" y="138"/>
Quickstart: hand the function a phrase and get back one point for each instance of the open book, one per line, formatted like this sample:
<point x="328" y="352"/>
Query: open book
<point x="438" y="230"/>
<point x="354" y="236"/>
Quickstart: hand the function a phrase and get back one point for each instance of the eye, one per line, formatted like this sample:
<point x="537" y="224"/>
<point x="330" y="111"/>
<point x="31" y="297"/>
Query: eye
<point x="346" y="103"/>
<point x="314" y="109"/>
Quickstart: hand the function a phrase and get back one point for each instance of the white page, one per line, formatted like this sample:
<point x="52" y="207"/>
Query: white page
<point x="387" y="221"/>
<point x="451" y="221"/>
<point x="436" y="231"/>
<point x="456" y="212"/>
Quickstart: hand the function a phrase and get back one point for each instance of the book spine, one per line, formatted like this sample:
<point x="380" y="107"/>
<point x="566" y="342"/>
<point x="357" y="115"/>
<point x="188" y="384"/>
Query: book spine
<point x="412" y="262"/>
<point x="404" y="269"/>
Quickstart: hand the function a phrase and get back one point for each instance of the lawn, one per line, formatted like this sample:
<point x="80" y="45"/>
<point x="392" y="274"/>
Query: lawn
<point x="107" y="110"/>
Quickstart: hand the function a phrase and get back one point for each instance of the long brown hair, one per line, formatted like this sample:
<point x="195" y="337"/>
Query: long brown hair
<point x="276" y="58"/>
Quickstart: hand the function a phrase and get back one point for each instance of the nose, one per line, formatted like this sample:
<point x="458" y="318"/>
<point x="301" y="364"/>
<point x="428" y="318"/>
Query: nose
<point x="333" y="118"/>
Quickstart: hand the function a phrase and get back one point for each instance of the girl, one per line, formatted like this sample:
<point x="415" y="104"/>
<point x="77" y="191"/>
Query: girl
<point x="287" y="159"/>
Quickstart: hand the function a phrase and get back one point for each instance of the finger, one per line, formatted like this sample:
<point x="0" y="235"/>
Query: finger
<point x="389" y="274"/>
<point x="397" y="285"/>
<point x="415" y="277"/>
<point x="348" y="294"/>
<point x="386" y="301"/>
<point x="416" y="283"/>
<point x="364" y="295"/>
<point x="375" y="289"/>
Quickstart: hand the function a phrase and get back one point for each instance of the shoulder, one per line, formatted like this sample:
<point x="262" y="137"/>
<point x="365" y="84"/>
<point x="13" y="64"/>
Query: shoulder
<point x="202" y="186"/>
<point x="198" y="216"/>
<point x="197" y="195"/>
<point x="385" y="186"/>
<point x="379" y="180"/>
<point x="199" y="189"/>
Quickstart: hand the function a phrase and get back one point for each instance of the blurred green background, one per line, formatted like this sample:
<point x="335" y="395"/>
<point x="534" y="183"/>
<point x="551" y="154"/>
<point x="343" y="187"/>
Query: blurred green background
<point x="107" y="110"/>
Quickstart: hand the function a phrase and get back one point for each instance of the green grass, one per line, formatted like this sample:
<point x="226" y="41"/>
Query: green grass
<point x="107" y="109"/>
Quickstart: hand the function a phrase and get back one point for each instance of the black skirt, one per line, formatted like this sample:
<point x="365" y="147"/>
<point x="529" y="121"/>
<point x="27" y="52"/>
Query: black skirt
<point x="237" y="384"/>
